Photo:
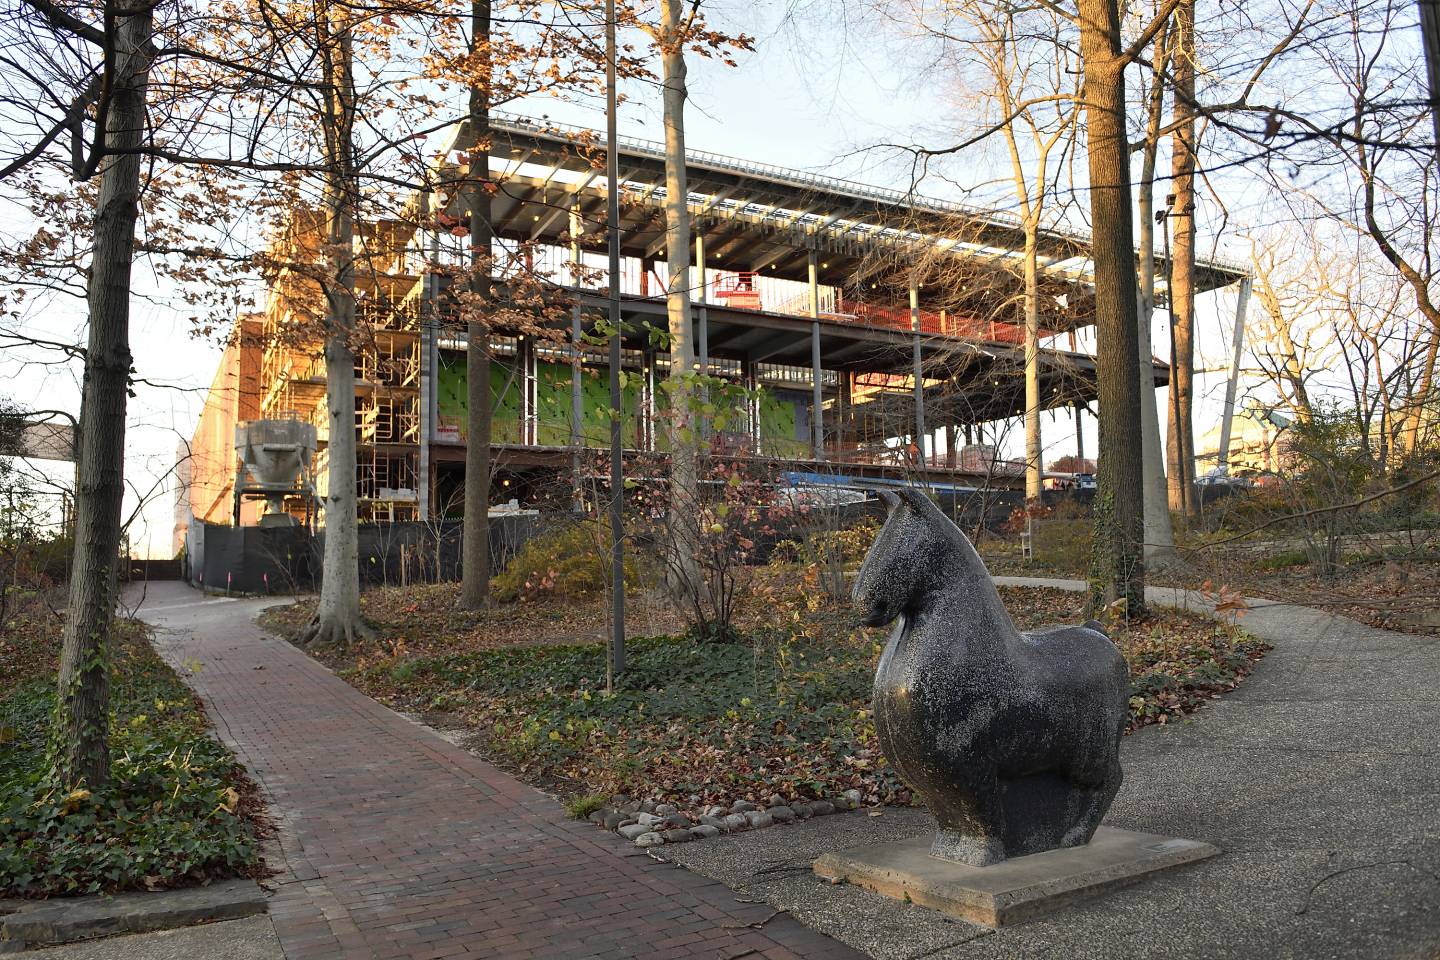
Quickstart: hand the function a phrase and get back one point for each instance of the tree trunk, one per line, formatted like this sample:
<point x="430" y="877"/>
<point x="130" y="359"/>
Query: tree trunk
<point x="1180" y="442"/>
<point x="684" y="499"/>
<point x="1034" y="481"/>
<point x="1420" y="403"/>
<point x="1117" y="570"/>
<point x="475" y="562"/>
<point x="1159" y="535"/>
<point x="82" y="752"/>
<point x="337" y="618"/>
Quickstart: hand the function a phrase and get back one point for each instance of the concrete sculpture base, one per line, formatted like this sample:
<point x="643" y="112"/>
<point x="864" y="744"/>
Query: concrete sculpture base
<point x="1013" y="890"/>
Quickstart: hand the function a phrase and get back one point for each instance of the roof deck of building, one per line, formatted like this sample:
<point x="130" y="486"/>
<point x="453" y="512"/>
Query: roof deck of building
<point x="766" y="219"/>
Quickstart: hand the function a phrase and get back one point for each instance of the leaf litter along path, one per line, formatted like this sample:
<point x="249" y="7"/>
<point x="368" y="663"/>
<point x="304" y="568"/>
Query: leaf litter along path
<point x="400" y="845"/>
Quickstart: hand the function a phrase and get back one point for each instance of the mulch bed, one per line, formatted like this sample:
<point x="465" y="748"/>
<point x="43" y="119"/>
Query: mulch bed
<point x="785" y="712"/>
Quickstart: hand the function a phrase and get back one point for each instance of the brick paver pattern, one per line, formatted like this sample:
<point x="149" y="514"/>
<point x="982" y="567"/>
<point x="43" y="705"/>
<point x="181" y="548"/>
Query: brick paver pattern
<point x="399" y="844"/>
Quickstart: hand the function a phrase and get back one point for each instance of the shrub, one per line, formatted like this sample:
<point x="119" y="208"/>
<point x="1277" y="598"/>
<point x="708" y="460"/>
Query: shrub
<point x="168" y="817"/>
<point x="582" y="806"/>
<point x="569" y="561"/>
<point x="828" y="547"/>
<point x="1063" y="544"/>
<point x="705" y="543"/>
<point x="696" y="723"/>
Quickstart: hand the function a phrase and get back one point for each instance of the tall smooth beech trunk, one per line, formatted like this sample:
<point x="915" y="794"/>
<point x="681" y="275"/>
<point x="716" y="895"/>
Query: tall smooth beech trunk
<point x="1117" y="571"/>
<point x="1180" y="442"/>
<point x="475" y="552"/>
<point x="81" y="746"/>
<point x="337" y="617"/>
<point x="1159" y="533"/>
<point x="684" y="438"/>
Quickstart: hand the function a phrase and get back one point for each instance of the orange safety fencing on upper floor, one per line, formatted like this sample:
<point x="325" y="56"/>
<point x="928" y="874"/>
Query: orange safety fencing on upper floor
<point x="751" y="291"/>
<point x="933" y="322"/>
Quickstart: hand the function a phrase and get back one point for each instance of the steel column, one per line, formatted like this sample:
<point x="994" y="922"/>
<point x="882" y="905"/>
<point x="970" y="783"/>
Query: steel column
<point x="427" y="342"/>
<point x="817" y="400"/>
<point x="918" y="373"/>
<point x="1237" y="347"/>
<point x="577" y="368"/>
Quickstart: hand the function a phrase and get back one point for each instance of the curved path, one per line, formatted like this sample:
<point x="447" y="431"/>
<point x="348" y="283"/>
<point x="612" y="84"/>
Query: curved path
<point x="399" y="844"/>
<point x="1319" y="778"/>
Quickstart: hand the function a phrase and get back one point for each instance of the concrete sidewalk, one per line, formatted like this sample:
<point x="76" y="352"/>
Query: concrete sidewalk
<point x="399" y="844"/>
<point x="1318" y="778"/>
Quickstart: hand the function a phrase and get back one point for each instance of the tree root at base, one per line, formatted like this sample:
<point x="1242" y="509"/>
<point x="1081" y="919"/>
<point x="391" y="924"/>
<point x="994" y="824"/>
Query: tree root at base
<point x="339" y="633"/>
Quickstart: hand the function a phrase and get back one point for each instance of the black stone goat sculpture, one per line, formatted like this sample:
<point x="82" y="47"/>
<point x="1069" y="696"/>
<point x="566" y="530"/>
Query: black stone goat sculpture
<point x="1012" y="739"/>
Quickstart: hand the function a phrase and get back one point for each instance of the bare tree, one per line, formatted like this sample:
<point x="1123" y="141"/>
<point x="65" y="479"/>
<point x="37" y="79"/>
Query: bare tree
<point x="1030" y="70"/>
<point x="1347" y="140"/>
<point x="337" y="617"/>
<point x="1180" y="290"/>
<point x="684" y="438"/>
<point x="1118" y="572"/>
<point x="81" y="747"/>
<point x="475" y="565"/>
<point x="1159" y="534"/>
<point x="1335" y="328"/>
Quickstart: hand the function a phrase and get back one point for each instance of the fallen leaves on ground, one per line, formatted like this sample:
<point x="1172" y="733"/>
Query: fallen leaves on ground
<point x="426" y="620"/>
<point x="786" y="712"/>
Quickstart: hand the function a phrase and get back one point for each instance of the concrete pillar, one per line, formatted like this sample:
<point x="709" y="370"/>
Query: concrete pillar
<point x="917" y="372"/>
<point x="1238" y="346"/>
<point x="529" y="394"/>
<point x="427" y="403"/>
<point x="577" y="354"/>
<point x="752" y="402"/>
<point x="817" y="399"/>
<point x="1079" y="433"/>
<point x="702" y="337"/>
<point x="647" y="400"/>
<point x="702" y="332"/>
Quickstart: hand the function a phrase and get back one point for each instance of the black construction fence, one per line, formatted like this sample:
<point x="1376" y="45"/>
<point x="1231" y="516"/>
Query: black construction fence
<point x="262" y="560"/>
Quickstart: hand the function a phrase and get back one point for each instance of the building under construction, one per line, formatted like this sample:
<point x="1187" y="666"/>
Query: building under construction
<point x="876" y="332"/>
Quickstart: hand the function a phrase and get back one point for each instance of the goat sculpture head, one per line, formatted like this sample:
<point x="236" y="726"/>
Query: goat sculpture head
<point x="905" y="560"/>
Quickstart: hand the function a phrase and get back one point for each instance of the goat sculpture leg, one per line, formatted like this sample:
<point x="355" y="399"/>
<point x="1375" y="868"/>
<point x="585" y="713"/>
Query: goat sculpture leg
<point x="1092" y="804"/>
<point x="966" y="834"/>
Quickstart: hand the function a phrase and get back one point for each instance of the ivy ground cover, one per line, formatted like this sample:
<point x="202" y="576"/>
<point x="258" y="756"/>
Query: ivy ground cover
<point x="178" y="810"/>
<point x="785" y="712"/>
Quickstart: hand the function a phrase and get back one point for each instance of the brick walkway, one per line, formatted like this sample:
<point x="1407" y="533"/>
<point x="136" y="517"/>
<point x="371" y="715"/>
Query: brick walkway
<point x="399" y="844"/>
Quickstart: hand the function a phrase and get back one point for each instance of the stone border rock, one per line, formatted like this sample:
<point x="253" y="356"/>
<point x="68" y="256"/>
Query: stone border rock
<point x="649" y="824"/>
<point x="35" y="923"/>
